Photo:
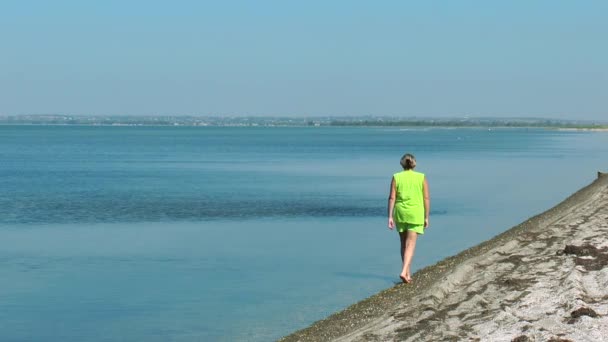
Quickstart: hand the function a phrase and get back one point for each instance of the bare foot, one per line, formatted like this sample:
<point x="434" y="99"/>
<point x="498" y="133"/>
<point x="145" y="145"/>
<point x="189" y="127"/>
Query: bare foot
<point x="403" y="278"/>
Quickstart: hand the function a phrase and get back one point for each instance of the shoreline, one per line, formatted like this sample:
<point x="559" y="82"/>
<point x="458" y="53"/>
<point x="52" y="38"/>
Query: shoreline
<point x="408" y="127"/>
<point x="484" y="290"/>
<point x="567" y="129"/>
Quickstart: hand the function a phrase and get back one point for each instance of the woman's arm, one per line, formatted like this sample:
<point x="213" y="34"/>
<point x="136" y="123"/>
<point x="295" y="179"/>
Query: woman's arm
<point x="391" y="204"/>
<point x="427" y="203"/>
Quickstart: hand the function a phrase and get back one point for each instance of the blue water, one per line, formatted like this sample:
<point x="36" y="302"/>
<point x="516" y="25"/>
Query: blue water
<point x="222" y="234"/>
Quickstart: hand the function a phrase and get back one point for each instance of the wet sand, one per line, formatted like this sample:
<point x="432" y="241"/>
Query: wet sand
<point x="545" y="279"/>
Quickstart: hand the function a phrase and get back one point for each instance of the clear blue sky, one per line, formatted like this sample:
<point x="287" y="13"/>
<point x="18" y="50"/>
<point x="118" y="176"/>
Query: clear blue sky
<point x="424" y="58"/>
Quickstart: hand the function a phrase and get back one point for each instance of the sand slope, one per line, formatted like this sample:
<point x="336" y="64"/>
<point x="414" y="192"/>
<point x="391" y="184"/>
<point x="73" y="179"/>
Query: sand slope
<point x="544" y="279"/>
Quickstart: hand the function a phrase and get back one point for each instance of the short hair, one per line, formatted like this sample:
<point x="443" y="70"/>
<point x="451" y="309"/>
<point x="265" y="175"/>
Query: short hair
<point x="408" y="161"/>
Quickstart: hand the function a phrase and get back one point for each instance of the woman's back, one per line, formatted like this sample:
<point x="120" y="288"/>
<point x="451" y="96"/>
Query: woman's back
<point x="409" y="201"/>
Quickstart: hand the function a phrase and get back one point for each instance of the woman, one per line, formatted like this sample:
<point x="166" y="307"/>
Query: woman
<point x="408" y="210"/>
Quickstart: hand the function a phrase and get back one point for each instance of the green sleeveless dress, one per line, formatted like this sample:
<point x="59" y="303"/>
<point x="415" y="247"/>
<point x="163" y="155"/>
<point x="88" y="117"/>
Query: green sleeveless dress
<point x="409" y="201"/>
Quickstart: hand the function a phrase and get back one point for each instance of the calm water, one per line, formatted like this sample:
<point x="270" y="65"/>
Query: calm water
<point x="205" y="234"/>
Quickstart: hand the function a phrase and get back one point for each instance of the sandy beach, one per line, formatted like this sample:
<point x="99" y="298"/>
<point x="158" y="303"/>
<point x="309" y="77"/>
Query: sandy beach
<point x="543" y="280"/>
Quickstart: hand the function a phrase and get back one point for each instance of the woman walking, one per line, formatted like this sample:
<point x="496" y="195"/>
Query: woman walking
<point x="408" y="210"/>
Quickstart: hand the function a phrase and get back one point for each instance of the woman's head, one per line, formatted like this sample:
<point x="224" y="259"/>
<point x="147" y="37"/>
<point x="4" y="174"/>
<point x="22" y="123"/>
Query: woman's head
<point x="408" y="161"/>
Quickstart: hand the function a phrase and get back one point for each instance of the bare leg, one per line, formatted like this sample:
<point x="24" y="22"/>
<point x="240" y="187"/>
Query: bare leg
<point x="408" y="254"/>
<point x="402" y="237"/>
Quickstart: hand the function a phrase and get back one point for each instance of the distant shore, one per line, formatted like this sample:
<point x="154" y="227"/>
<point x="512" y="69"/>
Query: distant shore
<point x="299" y="121"/>
<point x="567" y="129"/>
<point x="543" y="279"/>
<point x="584" y="129"/>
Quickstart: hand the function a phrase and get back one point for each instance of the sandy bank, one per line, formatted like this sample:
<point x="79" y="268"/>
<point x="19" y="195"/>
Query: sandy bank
<point x="546" y="278"/>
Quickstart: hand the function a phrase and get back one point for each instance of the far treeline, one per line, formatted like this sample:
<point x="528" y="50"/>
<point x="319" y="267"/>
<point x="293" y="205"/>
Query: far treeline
<point x="469" y="123"/>
<point x="295" y="121"/>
